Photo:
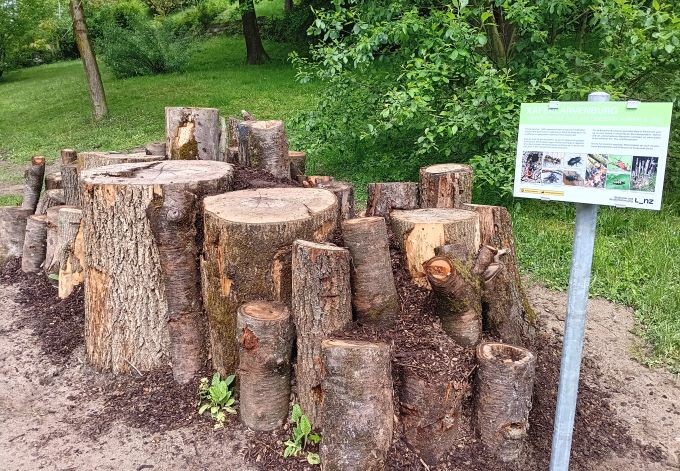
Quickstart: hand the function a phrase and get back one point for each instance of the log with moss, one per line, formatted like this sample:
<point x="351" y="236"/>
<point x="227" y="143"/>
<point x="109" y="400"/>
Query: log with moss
<point x="192" y="133"/>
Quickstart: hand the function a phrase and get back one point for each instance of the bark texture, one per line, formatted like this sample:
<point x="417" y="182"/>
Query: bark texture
<point x="344" y="192"/>
<point x="192" y="133"/>
<point x="68" y="156"/>
<point x="70" y="184"/>
<point x="264" y="145"/>
<point x="88" y="160"/>
<point x="155" y="148"/>
<point x="33" y="182"/>
<point x="445" y="185"/>
<point x="52" y="249"/>
<point x="384" y="197"/>
<point x="34" y="244"/>
<point x="255" y="53"/>
<point x="53" y="181"/>
<point x="72" y="254"/>
<point x="49" y="199"/>
<point x="12" y="231"/>
<point x="298" y="161"/>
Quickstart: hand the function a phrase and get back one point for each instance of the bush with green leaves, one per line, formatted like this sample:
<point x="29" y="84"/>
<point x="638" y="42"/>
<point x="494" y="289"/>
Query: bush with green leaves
<point x="302" y="436"/>
<point x="216" y="397"/>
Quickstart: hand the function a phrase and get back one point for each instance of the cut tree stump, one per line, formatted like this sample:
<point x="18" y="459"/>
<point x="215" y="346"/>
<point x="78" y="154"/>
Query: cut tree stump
<point x="297" y="163"/>
<point x="155" y="148"/>
<point x="264" y="145"/>
<point x="52" y="249"/>
<point x="89" y="160"/>
<point x="128" y="322"/>
<point x="357" y="412"/>
<point x="374" y="293"/>
<point x="69" y="177"/>
<point x="192" y="133"/>
<point x="505" y="381"/>
<point x="49" y="199"/>
<point x="265" y="340"/>
<point x="384" y="197"/>
<point x="72" y="255"/>
<point x="322" y="304"/>
<point x="445" y="185"/>
<point x="53" y="181"/>
<point x="34" y="244"/>
<point x="418" y="232"/>
<point x="247" y="253"/>
<point x="12" y="231"/>
<point x="33" y="182"/>
<point x="344" y="191"/>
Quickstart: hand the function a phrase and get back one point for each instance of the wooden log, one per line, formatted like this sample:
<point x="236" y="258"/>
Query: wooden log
<point x="72" y="250"/>
<point x="384" y="197"/>
<point x="297" y="163"/>
<point x="12" y="231"/>
<point x="418" y="232"/>
<point x="445" y="185"/>
<point x="127" y="324"/>
<point x="374" y="293"/>
<point x="357" y="411"/>
<point x="52" y="249"/>
<point x="247" y="253"/>
<point x="33" y="182"/>
<point x="344" y="192"/>
<point x="49" y="199"/>
<point x="505" y="380"/>
<point x="34" y="244"/>
<point x="88" y="160"/>
<point x="313" y="180"/>
<point x="264" y="145"/>
<point x="232" y="155"/>
<point x="155" y="148"/>
<point x="322" y="304"/>
<point x="265" y="340"/>
<point x="232" y="133"/>
<point x="192" y="133"/>
<point x="68" y="156"/>
<point x="70" y="184"/>
<point x="53" y="181"/>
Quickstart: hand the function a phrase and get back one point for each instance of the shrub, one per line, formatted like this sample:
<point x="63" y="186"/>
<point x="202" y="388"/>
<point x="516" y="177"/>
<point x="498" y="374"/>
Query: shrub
<point x="126" y="14"/>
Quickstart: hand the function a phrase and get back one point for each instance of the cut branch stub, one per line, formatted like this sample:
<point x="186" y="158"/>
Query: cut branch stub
<point x="445" y="185"/>
<point x="192" y="133"/>
<point x="35" y="244"/>
<point x="344" y="191"/>
<point x="72" y="255"/>
<point x="33" y="182"/>
<point x="297" y="164"/>
<point x="88" y="160"/>
<point x="384" y="197"/>
<point x="12" y="231"/>
<point x="264" y="145"/>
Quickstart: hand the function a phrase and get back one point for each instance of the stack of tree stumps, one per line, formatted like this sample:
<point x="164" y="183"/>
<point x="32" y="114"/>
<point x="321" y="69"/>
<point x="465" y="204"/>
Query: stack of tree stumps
<point x="399" y="320"/>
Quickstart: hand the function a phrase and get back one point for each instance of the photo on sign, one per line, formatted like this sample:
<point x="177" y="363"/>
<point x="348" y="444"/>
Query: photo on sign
<point x="643" y="174"/>
<point x="552" y="160"/>
<point x="531" y="166"/>
<point x="574" y="178"/>
<point x="551" y="177"/>
<point x="596" y="170"/>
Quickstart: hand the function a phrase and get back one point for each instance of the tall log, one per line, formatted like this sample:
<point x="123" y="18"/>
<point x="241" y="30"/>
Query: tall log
<point x="297" y="163"/>
<point x="33" y="182"/>
<point x="89" y="160"/>
<point x="357" y="406"/>
<point x="344" y="192"/>
<point x="445" y="185"/>
<point x="192" y="133"/>
<point x="247" y="253"/>
<point x="264" y="145"/>
<point x="505" y="381"/>
<point x="34" y="244"/>
<point x="12" y="231"/>
<point x="72" y="255"/>
<point x="49" y="199"/>
<point x="384" y="197"/>
<point x="321" y="305"/>
<point x="52" y="249"/>
<point x="53" y="181"/>
<point x="70" y="184"/>
<point x="265" y="339"/>
<point x="374" y="293"/>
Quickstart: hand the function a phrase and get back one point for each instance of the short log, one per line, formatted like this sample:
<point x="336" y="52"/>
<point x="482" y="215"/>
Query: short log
<point x="12" y="231"/>
<point x="68" y="156"/>
<point x="445" y="185"/>
<point x="232" y="155"/>
<point x="264" y="145"/>
<point x="34" y="244"/>
<point x="192" y="133"/>
<point x="89" y="160"/>
<point x="297" y="163"/>
<point x="72" y="255"/>
<point x="385" y="197"/>
<point x="49" y="199"/>
<point x="53" y="181"/>
<point x="344" y="191"/>
<point x="33" y="182"/>
<point x="52" y="249"/>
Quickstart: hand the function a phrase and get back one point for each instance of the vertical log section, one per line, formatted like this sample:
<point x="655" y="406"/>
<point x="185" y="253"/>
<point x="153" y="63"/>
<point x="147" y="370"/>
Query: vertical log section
<point x="72" y="255"/>
<point x="69" y="177"/>
<point x="445" y="185"/>
<point x="34" y="244"/>
<point x="505" y="381"/>
<point x="344" y="191"/>
<point x="321" y="305"/>
<point x="384" y="197"/>
<point x="265" y="340"/>
<point x="53" y="181"/>
<point x="297" y="164"/>
<point x="12" y="231"/>
<point x="264" y="145"/>
<point x="33" y="182"/>
<point x="88" y="160"/>
<point x="68" y="156"/>
<point x="374" y="293"/>
<point x="52" y="249"/>
<point x="247" y="253"/>
<point x="49" y="199"/>
<point x="357" y="411"/>
<point x="192" y="133"/>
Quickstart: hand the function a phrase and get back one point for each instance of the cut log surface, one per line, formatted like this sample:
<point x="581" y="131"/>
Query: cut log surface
<point x="72" y="254"/>
<point x="344" y="191"/>
<point x="384" y="197"/>
<point x="264" y="145"/>
<point x="49" y="199"/>
<point x="35" y="244"/>
<point x="265" y="340"/>
<point x="297" y="163"/>
<point x="12" y="231"/>
<point x="445" y="185"/>
<point x="192" y="133"/>
<point x="53" y="181"/>
<point x="418" y="232"/>
<point x="88" y="160"/>
<point x="505" y="381"/>
<point x="247" y="253"/>
<point x="322" y="304"/>
<point x="357" y="413"/>
<point x="127" y="322"/>
<point x="33" y="182"/>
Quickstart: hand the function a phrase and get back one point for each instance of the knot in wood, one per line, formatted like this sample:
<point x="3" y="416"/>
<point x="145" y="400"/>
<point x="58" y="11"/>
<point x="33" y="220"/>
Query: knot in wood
<point x="249" y="339"/>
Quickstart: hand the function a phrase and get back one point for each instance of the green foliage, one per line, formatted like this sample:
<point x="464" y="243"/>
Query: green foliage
<point x="104" y="15"/>
<point x="302" y="435"/>
<point x="216" y="397"/>
<point x="10" y="200"/>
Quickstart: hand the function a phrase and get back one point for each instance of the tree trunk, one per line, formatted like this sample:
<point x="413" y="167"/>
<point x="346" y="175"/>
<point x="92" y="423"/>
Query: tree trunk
<point x="12" y="231"/>
<point x="287" y="6"/>
<point x="374" y="293"/>
<point x="297" y="164"/>
<point x="445" y="185"/>
<point x="72" y="255"/>
<point x="265" y="341"/>
<point x="68" y="156"/>
<point x="52" y="250"/>
<point x="53" y="181"/>
<point x="322" y="304"/>
<point x="264" y="145"/>
<point x="94" y="80"/>
<point x="192" y="133"/>
<point x="126" y="306"/>
<point x="89" y="160"/>
<point x="155" y="148"/>
<point x="357" y="410"/>
<point x="313" y="180"/>
<point x="255" y="53"/>
<point x="33" y="183"/>
<point x="34" y="244"/>
<point x="70" y="184"/>
<point x="344" y="192"/>
<point x="247" y="253"/>
<point x="49" y="199"/>
<point x="505" y="381"/>
<point x="384" y="197"/>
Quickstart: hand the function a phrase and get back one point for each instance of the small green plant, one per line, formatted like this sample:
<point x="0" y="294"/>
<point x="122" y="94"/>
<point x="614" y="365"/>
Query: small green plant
<point x="302" y="434"/>
<point x="216" y="397"/>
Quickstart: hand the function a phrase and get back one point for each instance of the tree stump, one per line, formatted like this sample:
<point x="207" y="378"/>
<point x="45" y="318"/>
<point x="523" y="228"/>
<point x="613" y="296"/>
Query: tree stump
<point x="322" y="304"/>
<point x="68" y="156"/>
<point x="505" y="381"/>
<point x="384" y="197"/>
<point x="374" y="293"/>
<point x="49" y="199"/>
<point x="34" y="244"/>
<point x="445" y="185"/>
<point x="72" y="254"/>
<point x="53" y="181"/>
<point x="52" y="249"/>
<point x="192" y="133"/>
<point x="264" y="145"/>
<point x="155" y="148"/>
<point x="357" y="411"/>
<point x="129" y="323"/>
<point x="12" y="231"/>
<point x="418" y="232"/>
<point x="89" y="160"/>
<point x="265" y="341"/>
<point x="345" y="193"/>
<point x="247" y="253"/>
<point x="297" y="164"/>
<point x="33" y="182"/>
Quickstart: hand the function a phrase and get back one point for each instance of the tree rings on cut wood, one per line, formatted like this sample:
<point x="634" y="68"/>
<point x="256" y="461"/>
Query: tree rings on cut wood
<point x="192" y="133"/>
<point x="265" y="340"/>
<point x="297" y="163"/>
<point x="247" y="253"/>
<point x="35" y="244"/>
<point x="445" y="185"/>
<point x="344" y="191"/>
<point x="72" y="255"/>
<point x="12" y="231"/>
<point x="88" y="160"/>
<point x="33" y="182"/>
<point x="384" y="197"/>
<point x="264" y="145"/>
<point x="357" y="411"/>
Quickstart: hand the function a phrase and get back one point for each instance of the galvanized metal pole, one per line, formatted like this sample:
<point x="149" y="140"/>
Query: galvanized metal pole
<point x="574" y="330"/>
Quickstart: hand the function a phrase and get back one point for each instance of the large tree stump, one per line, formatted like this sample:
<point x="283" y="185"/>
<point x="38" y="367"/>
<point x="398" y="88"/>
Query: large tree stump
<point x="247" y="253"/>
<point x="33" y="182"/>
<point x="192" y="133"/>
<point x="34" y="244"/>
<point x="505" y="381"/>
<point x="72" y="254"/>
<point x="53" y="181"/>
<point x="322" y="304"/>
<point x="49" y="199"/>
<point x="12" y="231"/>
<point x="445" y="185"/>
<point x="384" y="197"/>
<point x="265" y="341"/>
<point x="357" y="412"/>
<point x="418" y="232"/>
<point x="264" y="145"/>
<point x="297" y="163"/>
<point x="127" y="323"/>
<point x="344" y="191"/>
<point x="374" y="293"/>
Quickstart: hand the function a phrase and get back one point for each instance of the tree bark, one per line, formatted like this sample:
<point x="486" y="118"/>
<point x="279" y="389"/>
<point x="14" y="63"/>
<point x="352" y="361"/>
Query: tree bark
<point x="70" y="184"/>
<point x="384" y="197"/>
<point x="374" y="293"/>
<point x="247" y="253"/>
<point x="34" y="244"/>
<point x="89" y="160"/>
<point x="53" y="181"/>
<point x="297" y="164"/>
<point x="72" y="255"/>
<point x="265" y="341"/>
<point x="192" y="133"/>
<point x="264" y="145"/>
<point x="68" y="156"/>
<point x="33" y="182"/>
<point x="357" y="411"/>
<point x="12" y="231"/>
<point x="445" y="185"/>
<point x="255" y="53"/>
<point x="322" y="304"/>
<point x="52" y="250"/>
<point x="344" y="192"/>
<point x="505" y="381"/>
<point x="155" y="148"/>
<point x="49" y="199"/>
<point x="287" y="6"/>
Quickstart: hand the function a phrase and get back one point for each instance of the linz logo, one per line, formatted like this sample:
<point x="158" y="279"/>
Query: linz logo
<point x="644" y="201"/>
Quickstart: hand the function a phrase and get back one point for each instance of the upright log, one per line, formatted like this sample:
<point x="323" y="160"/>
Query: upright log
<point x="34" y="244"/>
<point x="72" y="255"/>
<point x="344" y="192"/>
<point x="445" y="185"/>
<point x="53" y="181"/>
<point x="12" y="231"/>
<point x="321" y="305"/>
<point x="33" y="182"/>
<point x="357" y="412"/>
<point x="89" y="160"/>
<point x="265" y="340"/>
<point x="49" y="199"/>
<point x="192" y="133"/>
<point x="155" y="148"/>
<point x="69" y="177"/>
<point x="374" y="293"/>
<point x="52" y="249"/>
<point x="68" y="156"/>
<point x="297" y="163"/>
<point x="384" y="197"/>
<point x="264" y="145"/>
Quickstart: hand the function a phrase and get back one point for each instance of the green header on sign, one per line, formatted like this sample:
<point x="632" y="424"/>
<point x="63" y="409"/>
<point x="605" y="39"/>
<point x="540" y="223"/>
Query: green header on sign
<point x="614" y="113"/>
